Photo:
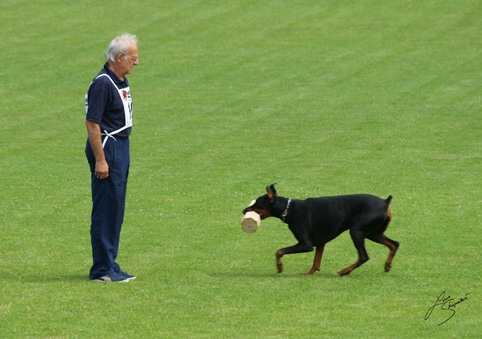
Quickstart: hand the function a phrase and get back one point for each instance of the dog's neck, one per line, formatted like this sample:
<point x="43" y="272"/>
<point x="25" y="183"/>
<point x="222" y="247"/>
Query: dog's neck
<point x="285" y="212"/>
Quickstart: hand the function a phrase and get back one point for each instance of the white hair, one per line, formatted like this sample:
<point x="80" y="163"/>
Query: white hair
<point x="121" y="45"/>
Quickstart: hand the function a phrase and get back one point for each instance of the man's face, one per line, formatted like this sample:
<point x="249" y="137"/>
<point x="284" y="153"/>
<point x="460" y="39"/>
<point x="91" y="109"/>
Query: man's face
<point x="128" y="61"/>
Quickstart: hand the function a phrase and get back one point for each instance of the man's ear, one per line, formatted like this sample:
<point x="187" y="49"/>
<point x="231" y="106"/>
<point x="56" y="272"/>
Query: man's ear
<point x="119" y="57"/>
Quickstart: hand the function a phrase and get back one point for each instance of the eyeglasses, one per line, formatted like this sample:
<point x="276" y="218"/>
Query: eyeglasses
<point x="130" y="57"/>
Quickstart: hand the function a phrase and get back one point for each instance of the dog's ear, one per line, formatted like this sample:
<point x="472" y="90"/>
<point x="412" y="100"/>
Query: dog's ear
<point x="271" y="192"/>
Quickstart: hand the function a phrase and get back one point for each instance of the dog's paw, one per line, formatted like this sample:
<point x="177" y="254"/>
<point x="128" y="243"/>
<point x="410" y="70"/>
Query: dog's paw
<point x="344" y="272"/>
<point x="311" y="271"/>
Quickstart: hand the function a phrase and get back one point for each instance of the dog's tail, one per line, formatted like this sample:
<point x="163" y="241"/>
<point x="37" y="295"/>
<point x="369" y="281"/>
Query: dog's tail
<point x="388" y="201"/>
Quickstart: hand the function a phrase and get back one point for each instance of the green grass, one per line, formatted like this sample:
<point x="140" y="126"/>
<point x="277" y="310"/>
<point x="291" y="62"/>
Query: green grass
<point x="323" y="97"/>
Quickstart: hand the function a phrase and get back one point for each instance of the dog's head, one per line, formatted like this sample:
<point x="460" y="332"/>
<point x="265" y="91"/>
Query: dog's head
<point x="265" y="205"/>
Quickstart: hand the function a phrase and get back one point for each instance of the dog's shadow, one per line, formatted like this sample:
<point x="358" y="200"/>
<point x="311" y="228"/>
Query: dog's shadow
<point x="266" y="274"/>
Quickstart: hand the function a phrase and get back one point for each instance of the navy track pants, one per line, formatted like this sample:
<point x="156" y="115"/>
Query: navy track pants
<point x="108" y="205"/>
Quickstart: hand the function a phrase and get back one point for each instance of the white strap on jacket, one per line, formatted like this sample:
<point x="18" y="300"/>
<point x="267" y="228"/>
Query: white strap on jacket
<point x="125" y="96"/>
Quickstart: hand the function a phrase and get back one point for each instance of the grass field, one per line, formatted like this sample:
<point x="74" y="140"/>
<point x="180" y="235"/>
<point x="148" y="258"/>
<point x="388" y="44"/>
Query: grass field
<point x="323" y="97"/>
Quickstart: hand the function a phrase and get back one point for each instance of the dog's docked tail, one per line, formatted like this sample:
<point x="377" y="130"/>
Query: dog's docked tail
<point x="388" y="201"/>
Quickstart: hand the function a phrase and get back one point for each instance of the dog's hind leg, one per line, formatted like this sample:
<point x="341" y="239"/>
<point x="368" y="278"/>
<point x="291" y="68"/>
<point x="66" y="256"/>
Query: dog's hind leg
<point x="358" y="238"/>
<point x="316" y="260"/>
<point x="391" y="244"/>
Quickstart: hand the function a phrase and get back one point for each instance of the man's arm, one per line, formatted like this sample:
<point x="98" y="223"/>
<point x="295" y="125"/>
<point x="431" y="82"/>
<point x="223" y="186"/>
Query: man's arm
<point x="95" y="139"/>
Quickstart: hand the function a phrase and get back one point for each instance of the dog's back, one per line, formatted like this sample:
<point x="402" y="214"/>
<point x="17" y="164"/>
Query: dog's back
<point x="328" y="217"/>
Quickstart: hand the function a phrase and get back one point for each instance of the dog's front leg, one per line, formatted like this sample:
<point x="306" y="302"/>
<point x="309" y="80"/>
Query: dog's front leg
<point x="316" y="260"/>
<point x="279" y="264"/>
<point x="298" y="248"/>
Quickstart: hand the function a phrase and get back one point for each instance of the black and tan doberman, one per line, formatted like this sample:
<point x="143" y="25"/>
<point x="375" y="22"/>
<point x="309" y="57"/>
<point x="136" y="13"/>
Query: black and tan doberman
<point x="316" y="221"/>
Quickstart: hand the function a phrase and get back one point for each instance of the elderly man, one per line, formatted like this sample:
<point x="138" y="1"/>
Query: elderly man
<point x="109" y="124"/>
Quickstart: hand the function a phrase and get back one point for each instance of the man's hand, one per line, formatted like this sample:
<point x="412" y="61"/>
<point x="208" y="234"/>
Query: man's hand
<point x="95" y="139"/>
<point x="101" y="169"/>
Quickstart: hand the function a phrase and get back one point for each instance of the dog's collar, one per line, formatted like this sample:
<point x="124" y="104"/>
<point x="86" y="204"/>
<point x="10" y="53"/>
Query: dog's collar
<point x="285" y="213"/>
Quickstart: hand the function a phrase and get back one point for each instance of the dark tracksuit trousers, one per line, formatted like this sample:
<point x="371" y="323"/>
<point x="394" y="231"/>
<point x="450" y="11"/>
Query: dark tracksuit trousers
<point x="108" y="205"/>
